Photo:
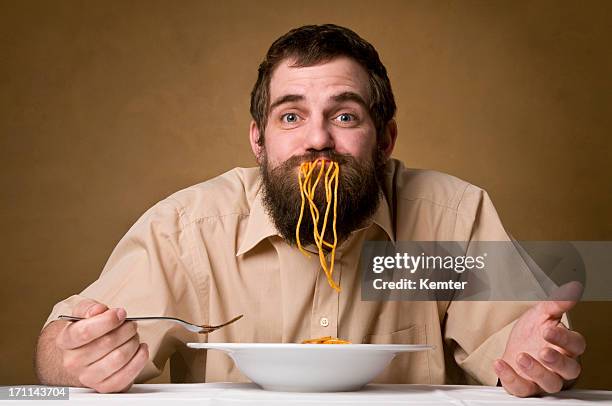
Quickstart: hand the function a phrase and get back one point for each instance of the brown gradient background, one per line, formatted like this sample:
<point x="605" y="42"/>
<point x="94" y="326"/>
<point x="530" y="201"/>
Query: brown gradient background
<point x="107" y="107"/>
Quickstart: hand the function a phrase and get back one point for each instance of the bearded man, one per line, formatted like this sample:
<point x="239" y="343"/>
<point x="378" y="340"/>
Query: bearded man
<point x="228" y="246"/>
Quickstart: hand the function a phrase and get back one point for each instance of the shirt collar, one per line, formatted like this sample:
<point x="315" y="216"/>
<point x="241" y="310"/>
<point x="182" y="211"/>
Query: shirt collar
<point x="382" y="218"/>
<point x="260" y="225"/>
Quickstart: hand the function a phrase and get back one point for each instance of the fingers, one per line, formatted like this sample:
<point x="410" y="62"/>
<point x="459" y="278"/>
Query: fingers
<point x="512" y="382"/>
<point x="122" y="379"/>
<point x="570" y="341"/>
<point x="562" y="299"/>
<point x="549" y="381"/>
<point x="101" y="346"/>
<point x="96" y="309"/>
<point x="77" y="334"/>
<point x="556" y="309"/>
<point x="102" y="351"/>
<point x="564" y="366"/>
<point x="571" y="291"/>
<point x="87" y="308"/>
<point x="109" y="364"/>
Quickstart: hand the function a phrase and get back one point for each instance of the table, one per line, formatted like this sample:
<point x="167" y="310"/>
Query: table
<point x="227" y="394"/>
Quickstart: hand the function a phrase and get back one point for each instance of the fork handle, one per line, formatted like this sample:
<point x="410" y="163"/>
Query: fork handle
<point x="74" y="318"/>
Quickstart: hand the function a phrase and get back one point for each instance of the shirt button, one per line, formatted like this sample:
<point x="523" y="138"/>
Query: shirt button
<point x="324" y="321"/>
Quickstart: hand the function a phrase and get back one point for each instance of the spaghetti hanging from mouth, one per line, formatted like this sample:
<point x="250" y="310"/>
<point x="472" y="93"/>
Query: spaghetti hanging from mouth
<point x="308" y="184"/>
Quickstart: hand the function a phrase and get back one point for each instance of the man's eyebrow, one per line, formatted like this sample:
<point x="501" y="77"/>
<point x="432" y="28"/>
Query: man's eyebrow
<point x="350" y="96"/>
<point x="288" y="98"/>
<point x="338" y="98"/>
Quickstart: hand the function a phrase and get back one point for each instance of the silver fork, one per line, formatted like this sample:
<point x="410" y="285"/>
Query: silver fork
<point x="196" y="328"/>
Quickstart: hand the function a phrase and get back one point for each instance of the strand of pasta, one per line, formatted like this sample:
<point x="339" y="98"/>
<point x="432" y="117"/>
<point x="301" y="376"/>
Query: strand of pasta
<point x="319" y="236"/>
<point x="314" y="211"/>
<point x="329" y="270"/>
<point x="299" y="223"/>
<point x="328" y="196"/>
<point x="307" y="191"/>
<point x="306" y="171"/>
<point x="333" y="253"/>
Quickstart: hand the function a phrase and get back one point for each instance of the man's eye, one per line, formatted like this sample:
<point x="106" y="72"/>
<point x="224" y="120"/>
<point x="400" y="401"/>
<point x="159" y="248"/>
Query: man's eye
<point x="345" y="118"/>
<point x="290" y="118"/>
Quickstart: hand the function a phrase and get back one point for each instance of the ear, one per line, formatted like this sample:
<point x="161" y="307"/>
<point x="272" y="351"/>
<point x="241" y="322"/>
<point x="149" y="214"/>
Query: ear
<point x="254" y="140"/>
<point x="387" y="143"/>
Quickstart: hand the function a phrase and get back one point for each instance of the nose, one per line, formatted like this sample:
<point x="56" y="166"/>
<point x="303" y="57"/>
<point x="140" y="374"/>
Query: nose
<point x="318" y="137"/>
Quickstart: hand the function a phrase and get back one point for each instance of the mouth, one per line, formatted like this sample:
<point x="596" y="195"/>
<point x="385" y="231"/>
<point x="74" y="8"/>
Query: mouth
<point x="317" y="164"/>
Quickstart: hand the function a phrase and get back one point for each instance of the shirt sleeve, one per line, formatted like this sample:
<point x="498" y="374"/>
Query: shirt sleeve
<point x="476" y="332"/>
<point x="150" y="272"/>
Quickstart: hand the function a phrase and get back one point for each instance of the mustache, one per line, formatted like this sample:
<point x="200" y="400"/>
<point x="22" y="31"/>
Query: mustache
<point x="297" y="160"/>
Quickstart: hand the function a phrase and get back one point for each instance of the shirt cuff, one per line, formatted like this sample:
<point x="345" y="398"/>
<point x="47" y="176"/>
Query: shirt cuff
<point x="479" y="364"/>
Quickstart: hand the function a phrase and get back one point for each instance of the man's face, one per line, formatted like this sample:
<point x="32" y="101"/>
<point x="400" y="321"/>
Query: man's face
<point x="320" y="112"/>
<point x="319" y="108"/>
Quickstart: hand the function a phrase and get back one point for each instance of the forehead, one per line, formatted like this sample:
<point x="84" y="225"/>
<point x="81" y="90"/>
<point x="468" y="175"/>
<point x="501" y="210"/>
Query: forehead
<point x="337" y="75"/>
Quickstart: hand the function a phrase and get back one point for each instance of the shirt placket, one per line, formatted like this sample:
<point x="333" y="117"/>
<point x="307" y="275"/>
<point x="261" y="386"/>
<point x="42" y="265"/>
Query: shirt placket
<point x="324" y="316"/>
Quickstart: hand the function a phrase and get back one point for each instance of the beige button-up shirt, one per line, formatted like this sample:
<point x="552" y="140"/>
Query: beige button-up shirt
<point x="210" y="252"/>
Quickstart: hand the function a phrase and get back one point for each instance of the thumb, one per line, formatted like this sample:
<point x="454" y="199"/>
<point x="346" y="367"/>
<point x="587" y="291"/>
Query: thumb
<point x="562" y="299"/>
<point x="88" y="308"/>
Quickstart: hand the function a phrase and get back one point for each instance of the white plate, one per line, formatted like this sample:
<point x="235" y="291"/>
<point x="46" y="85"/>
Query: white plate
<point x="311" y="367"/>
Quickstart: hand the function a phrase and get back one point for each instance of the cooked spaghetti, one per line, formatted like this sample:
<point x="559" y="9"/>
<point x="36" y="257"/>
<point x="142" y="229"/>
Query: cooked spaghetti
<point x="326" y="340"/>
<point x="309" y="179"/>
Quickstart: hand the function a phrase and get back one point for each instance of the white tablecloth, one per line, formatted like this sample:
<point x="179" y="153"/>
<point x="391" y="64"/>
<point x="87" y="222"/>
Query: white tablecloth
<point x="226" y="394"/>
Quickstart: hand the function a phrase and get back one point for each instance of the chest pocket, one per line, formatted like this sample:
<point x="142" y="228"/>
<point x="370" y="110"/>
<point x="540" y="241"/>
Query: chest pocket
<point x="407" y="367"/>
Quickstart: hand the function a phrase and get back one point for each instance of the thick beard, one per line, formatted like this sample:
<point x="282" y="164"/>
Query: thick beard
<point x="360" y="187"/>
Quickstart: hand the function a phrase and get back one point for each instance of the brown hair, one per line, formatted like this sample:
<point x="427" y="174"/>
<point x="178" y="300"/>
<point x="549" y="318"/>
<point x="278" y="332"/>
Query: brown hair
<point x="314" y="44"/>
